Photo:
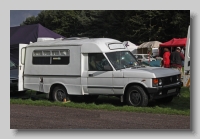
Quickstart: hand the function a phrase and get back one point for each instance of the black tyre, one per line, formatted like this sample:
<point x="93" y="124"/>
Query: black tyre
<point x="136" y="96"/>
<point x="60" y="93"/>
<point x="165" y="100"/>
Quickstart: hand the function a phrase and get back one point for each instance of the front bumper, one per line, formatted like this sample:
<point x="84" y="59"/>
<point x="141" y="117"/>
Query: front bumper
<point x="165" y="91"/>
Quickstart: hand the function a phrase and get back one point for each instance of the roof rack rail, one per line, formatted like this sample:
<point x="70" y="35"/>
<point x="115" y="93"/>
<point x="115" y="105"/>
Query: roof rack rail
<point x="75" y="38"/>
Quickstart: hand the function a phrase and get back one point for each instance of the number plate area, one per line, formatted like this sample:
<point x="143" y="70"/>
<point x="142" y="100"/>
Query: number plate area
<point x="171" y="91"/>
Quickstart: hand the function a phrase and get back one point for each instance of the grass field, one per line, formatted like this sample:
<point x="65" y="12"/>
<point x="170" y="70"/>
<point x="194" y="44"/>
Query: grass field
<point x="178" y="106"/>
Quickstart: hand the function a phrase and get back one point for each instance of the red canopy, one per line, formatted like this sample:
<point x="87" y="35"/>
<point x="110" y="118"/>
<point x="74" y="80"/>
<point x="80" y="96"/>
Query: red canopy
<point x="174" y="42"/>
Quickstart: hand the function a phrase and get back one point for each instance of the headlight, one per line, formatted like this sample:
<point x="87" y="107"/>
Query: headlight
<point x="156" y="82"/>
<point x="178" y="78"/>
<point x="159" y="81"/>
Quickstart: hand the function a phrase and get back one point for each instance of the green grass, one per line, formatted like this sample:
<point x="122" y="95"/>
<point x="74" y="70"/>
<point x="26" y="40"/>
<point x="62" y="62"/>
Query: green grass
<point x="179" y="105"/>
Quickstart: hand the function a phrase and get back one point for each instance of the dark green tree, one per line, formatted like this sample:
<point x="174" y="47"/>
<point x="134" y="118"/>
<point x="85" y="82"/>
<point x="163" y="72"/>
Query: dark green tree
<point x="137" y="26"/>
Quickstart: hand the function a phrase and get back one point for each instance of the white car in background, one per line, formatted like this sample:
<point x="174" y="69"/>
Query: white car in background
<point x="144" y="57"/>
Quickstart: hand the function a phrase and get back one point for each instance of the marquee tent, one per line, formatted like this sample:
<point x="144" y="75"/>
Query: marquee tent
<point x="26" y="34"/>
<point x="172" y="44"/>
<point x="175" y="42"/>
<point x="143" y="48"/>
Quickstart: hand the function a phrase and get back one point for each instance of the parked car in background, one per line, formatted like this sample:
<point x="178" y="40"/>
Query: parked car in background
<point x="14" y="78"/>
<point x="144" y="57"/>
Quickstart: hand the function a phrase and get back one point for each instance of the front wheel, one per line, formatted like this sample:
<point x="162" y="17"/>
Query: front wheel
<point x="60" y="93"/>
<point x="136" y="96"/>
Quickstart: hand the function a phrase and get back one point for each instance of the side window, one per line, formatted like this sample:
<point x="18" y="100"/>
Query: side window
<point x="23" y="55"/>
<point x="98" y="62"/>
<point x="51" y="57"/>
<point x="40" y="59"/>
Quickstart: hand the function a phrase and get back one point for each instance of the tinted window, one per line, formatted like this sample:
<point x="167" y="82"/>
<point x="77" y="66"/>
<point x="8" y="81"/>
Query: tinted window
<point x="51" y="57"/>
<point x="59" y="60"/>
<point x="98" y="62"/>
<point x="41" y="60"/>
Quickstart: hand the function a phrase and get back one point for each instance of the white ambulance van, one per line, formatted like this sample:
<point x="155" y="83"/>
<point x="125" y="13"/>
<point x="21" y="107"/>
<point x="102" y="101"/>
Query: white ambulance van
<point x="63" y="68"/>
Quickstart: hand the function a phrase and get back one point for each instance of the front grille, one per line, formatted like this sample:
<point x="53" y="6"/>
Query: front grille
<point x="169" y="80"/>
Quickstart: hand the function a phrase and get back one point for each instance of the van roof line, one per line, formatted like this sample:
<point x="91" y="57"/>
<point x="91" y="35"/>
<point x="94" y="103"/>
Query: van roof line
<point x="75" y="38"/>
<point x="75" y="42"/>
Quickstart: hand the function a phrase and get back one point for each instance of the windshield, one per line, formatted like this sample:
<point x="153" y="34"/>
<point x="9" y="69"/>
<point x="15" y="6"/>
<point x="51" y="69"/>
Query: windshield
<point x="122" y="59"/>
<point x="12" y="65"/>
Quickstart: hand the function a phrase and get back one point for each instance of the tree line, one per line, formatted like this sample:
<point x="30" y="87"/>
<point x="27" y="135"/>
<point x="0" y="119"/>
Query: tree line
<point x="137" y="26"/>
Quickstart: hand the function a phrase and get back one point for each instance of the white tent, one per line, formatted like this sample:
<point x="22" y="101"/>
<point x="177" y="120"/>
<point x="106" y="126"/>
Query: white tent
<point x="143" y="48"/>
<point x="131" y="46"/>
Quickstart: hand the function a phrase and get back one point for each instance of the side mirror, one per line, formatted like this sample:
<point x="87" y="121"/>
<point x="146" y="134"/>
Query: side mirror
<point x="107" y="68"/>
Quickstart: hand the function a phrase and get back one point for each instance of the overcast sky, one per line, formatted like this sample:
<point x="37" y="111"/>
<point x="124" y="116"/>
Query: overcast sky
<point x="18" y="16"/>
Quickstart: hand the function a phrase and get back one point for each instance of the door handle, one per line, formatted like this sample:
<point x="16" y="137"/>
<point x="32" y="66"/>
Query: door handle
<point x="90" y="75"/>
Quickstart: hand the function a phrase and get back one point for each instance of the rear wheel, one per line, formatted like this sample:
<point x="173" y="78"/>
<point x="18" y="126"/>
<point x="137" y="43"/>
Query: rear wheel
<point x="60" y="93"/>
<point x="136" y="96"/>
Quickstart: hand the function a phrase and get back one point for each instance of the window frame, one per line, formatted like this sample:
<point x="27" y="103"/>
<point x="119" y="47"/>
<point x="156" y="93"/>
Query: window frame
<point x="51" y="56"/>
<point x="95" y="54"/>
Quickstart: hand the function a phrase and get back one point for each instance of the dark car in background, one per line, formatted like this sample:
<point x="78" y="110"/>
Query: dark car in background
<point x="14" y="78"/>
<point x="144" y="57"/>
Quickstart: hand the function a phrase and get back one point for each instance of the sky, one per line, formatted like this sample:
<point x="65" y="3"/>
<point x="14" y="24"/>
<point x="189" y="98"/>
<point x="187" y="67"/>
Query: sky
<point x="18" y="16"/>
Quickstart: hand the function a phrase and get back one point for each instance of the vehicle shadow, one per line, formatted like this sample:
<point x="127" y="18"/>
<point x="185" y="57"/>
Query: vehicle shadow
<point x="178" y="103"/>
<point x="28" y="95"/>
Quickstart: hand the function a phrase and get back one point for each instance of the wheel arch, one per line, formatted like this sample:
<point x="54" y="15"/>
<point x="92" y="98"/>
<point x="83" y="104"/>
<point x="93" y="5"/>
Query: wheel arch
<point x="136" y="83"/>
<point x="52" y="88"/>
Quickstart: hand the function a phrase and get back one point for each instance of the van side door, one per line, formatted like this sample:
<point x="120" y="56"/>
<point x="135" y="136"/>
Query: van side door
<point x="100" y="74"/>
<point x="22" y="54"/>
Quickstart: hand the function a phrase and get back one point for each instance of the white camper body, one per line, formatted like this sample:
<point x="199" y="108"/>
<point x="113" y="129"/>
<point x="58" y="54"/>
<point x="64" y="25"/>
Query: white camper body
<point x="64" y="68"/>
<point x="186" y="76"/>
